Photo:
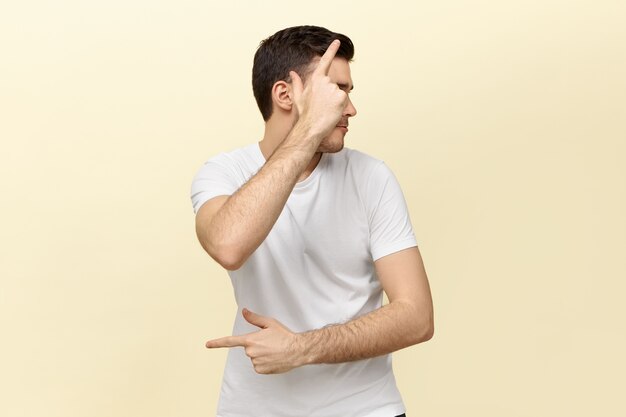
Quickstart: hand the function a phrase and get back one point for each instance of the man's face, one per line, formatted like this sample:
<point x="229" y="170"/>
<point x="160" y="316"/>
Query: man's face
<point x="339" y="73"/>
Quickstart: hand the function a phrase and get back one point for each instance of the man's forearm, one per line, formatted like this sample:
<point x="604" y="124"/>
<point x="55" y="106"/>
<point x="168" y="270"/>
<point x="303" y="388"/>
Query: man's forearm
<point x="276" y="349"/>
<point x="246" y="218"/>
<point x="385" y="330"/>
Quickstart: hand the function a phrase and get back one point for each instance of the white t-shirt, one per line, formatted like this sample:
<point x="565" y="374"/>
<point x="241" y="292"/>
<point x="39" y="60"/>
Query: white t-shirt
<point x="315" y="268"/>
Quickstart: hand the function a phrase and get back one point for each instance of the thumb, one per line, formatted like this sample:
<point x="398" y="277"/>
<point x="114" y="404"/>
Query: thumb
<point x="256" y="319"/>
<point x="296" y="85"/>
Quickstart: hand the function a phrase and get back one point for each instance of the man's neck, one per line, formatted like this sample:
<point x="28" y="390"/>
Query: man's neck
<point x="275" y="134"/>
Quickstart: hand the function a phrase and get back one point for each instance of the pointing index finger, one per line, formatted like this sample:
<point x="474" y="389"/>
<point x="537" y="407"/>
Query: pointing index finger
<point x="327" y="58"/>
<point x="228" y="341"/>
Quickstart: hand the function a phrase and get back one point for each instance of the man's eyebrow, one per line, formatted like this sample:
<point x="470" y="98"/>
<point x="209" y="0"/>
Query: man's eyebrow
<point x="345" y="86"/>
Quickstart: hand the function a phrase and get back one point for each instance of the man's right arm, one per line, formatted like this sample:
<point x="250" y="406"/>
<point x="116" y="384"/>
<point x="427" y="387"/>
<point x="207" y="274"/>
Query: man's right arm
<point x="230" y="228"/>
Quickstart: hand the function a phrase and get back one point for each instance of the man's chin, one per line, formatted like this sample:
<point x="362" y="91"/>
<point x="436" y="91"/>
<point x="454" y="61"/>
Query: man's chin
<point x="333" y="145"/>
<point x="330" y="149"/>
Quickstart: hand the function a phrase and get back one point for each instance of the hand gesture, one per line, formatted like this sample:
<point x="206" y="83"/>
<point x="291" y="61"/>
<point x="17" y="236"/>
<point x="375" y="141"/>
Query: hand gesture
<point x="273" y="349"/>
<point x="321" y="103"/>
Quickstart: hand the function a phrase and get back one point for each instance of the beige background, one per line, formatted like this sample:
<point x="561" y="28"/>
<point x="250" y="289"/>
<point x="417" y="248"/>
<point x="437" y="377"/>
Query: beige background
<point x="504" y="121"/>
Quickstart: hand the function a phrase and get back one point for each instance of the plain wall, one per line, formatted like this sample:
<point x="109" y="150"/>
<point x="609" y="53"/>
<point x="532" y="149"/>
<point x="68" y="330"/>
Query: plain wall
<point x="504" y="122"/>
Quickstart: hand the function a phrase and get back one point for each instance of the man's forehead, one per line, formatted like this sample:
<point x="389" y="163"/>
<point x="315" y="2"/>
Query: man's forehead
<point x="316" y="59"/>
<point x="339" y="70"/>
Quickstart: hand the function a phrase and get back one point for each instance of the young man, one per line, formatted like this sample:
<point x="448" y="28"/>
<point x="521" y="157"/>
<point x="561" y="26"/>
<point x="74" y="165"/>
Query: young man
<point x="311" y="234"/>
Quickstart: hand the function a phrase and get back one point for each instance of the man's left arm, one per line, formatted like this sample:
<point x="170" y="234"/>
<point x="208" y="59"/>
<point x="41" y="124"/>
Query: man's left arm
<point x="405" y="321"/>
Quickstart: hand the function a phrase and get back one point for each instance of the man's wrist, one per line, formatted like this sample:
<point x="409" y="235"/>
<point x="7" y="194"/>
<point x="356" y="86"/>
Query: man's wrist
<point x="304" y="347"/>
<point x="303" y="133"/>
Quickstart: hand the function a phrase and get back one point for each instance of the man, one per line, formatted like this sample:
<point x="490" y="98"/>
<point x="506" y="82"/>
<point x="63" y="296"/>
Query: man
<point x="311" y="234"/>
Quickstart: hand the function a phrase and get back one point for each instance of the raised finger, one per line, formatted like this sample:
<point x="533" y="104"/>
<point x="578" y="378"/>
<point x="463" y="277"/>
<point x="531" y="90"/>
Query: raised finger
<point x="228" y="341"/>
<point x="256" y="319"/>
<point x="327" y="58"/>
<point x="296" y="83"/>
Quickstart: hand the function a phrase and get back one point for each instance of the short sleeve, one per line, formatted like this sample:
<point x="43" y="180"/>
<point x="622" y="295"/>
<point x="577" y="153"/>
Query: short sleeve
<point x="212" y="180"/>
<point x="388" y="216"/>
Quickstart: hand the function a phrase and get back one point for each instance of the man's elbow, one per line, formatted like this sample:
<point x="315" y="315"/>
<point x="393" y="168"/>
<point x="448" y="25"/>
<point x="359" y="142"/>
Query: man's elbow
<point x="229" y="259"/>
<point x="423" y="331"/>
<point x="428" y="332"/>
<point x="227" y="254"/>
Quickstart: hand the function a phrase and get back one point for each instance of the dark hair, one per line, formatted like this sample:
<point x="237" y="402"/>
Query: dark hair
<point x="291" y="49"/>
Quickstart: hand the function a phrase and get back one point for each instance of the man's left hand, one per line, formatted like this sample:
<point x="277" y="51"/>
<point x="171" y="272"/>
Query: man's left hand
<point x="273" y="349"/>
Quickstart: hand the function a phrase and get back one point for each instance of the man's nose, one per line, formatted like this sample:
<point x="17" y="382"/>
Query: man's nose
<point x="350" y="110"/>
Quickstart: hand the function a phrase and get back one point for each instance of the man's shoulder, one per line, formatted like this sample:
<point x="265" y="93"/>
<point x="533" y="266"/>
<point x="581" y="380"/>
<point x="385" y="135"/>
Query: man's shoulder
<point x="357" y="168"/>
<point x="364" y="170"/>
<point x="237" y="164"/>
<point x="242" y="153"/>
<point x="239" y="161"/>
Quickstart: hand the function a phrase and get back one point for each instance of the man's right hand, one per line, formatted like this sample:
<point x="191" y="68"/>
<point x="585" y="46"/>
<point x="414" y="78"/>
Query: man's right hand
<point x="321" y="102"/>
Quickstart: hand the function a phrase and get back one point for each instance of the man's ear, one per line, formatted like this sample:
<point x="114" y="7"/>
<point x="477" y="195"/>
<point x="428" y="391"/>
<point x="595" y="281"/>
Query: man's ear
<point x="281" y="95"/>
